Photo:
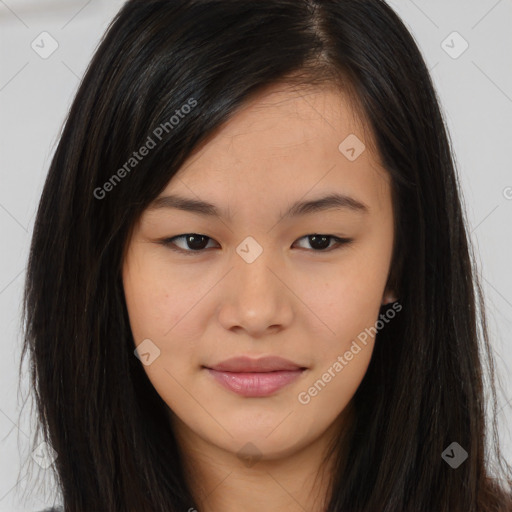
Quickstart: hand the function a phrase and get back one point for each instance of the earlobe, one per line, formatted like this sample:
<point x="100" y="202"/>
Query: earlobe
<point x="388" y="298"/>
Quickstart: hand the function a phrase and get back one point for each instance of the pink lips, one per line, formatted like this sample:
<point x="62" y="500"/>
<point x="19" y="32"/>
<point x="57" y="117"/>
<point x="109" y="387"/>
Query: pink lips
<point x="255" y="377"/>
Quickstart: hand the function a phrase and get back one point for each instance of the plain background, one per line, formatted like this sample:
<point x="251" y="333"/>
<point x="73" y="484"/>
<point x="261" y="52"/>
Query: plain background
<point x="475" y="90"/>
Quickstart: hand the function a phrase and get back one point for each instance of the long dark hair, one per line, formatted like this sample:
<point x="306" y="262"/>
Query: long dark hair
<point x="424" y="388"/>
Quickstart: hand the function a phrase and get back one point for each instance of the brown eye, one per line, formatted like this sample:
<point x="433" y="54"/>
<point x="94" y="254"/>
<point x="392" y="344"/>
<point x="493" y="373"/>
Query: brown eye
<point x="320" y="243"/>
<point x="193" y="242"/>
<point x="196" y="243"/>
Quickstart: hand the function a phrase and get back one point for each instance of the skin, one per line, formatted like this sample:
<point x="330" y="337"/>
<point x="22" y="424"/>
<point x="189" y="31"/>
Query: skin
<point x="295" y="301"/>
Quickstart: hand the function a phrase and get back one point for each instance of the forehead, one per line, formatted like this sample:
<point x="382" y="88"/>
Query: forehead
<point x="281" y="120"/>
<point x="285" y="142"/>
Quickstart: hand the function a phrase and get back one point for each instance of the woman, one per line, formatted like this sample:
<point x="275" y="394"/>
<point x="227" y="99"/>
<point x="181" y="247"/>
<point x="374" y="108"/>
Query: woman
<point x="250" y="285"/>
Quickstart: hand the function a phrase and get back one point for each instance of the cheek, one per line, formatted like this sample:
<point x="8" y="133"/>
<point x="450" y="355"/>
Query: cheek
<point x="349" y="297"/>
<point x="158" y="295"/>
<point x="164" y="306"/>
<point x="349" y="304"/>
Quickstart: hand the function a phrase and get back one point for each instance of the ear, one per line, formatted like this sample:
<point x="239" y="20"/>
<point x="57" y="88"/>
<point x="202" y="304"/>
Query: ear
<point x="389" y="297"/>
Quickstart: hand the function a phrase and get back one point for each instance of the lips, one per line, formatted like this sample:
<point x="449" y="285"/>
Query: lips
<point x="255" y="377"/>
<point x="265" y="364"/>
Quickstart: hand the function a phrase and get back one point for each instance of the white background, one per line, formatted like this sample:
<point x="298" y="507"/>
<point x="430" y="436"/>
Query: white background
<point x="476" y="96"/>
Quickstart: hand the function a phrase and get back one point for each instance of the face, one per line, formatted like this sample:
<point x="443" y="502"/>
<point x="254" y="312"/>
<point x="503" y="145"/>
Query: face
<point x="250" y="276"/>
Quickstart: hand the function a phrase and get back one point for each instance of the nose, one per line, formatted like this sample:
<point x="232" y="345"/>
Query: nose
<point x="255" y="297"/>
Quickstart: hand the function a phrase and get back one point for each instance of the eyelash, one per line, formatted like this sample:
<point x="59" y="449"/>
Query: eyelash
<point x="169" y="242"/>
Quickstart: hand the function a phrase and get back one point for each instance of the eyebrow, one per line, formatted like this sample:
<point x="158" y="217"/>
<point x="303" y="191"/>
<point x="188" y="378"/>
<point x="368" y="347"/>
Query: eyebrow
<point x="330" y="202"/>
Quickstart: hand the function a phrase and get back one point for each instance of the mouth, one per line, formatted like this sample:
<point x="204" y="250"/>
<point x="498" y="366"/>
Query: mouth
<point x="255" y="378"/>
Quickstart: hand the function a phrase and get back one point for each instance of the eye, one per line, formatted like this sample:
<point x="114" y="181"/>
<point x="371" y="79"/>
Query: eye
<point x="322" y="242"/>
<point x="196" y="243"/>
